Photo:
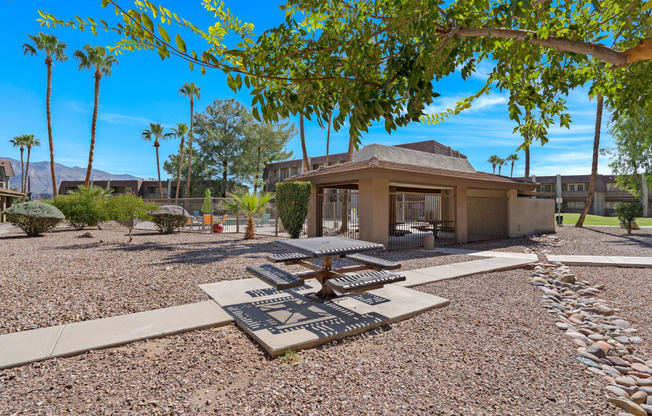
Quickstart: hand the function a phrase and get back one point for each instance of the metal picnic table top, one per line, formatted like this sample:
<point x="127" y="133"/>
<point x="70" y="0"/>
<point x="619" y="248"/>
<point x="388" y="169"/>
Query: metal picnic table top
<point x="328" y="246"/>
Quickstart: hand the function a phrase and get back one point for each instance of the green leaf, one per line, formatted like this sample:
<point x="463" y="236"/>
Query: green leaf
<point x="181" y="45"/>
<point x="147" y="22"/>
<point x="164" y="34"/>
<point x="647" y="6"/>
<point x="596" y="5"/>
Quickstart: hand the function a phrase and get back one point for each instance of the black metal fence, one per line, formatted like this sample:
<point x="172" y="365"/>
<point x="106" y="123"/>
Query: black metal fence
<point x="413" y="217"/>
<point x="337" y="212"/>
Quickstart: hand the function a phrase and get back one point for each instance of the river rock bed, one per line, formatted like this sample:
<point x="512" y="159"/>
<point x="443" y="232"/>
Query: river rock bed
<point x="606" y="343"/>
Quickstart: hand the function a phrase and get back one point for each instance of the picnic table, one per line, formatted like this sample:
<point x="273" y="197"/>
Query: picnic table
<point x="433" y="226"/>
<point x="369" y="272"/>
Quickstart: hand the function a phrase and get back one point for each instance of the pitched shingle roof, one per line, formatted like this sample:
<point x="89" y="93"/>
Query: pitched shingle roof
<point x="9" y="170"/>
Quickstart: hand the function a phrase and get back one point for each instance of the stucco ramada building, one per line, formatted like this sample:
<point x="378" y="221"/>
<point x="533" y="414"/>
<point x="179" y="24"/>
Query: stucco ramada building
<point x="397" y="196"/>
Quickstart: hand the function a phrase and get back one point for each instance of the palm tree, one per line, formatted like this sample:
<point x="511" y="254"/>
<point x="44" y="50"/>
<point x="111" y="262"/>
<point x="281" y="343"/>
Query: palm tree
<point x="94" y="57"/>
<point x="191" y="91"/>
<point x="30" y="142"/>
<point x="20" y="141"/>
<point x="512" y="158"/>
<point x="250" y="204"/>
<point x="501" y="162"/>
<point x="594" y="165"/>
<point x="180" y="131"/>
<point x="56" y="49"/>
<point x="156" y="132"/>
<point x="494" y="160"/>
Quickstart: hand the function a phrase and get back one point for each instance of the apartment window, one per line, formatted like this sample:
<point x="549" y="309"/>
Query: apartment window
<point x="580" y="187"/>
<point x="547" y="188"/>
<point x="576" y="204"/>
<point x="571" y="187"/>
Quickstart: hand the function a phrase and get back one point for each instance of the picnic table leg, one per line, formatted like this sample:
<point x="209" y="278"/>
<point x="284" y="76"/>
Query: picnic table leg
<point x="326" y="265"/>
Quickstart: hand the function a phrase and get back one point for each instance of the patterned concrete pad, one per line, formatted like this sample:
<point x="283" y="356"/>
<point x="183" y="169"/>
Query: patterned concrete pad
<point x="294" y="319"/>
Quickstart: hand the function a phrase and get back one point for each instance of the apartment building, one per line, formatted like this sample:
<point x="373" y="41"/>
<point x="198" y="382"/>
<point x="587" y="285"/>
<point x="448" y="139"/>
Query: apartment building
<point x="7" y="195"/>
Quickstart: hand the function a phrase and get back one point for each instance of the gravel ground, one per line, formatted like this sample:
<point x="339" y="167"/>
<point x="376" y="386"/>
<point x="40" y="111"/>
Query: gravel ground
<point x="60" y="278"/>
<point x="590" y="241"/>
<point x="493" y="351"/>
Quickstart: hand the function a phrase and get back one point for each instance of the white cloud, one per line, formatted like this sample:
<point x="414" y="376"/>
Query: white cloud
<point x="481" y="103"/>
<point x="117" y="118"/>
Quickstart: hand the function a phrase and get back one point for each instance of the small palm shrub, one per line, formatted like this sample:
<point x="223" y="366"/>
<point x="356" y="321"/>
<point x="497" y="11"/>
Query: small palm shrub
<point x="627" y="213"/>
<point x="250" y="204"/>
<point x="169" y="217"/>
<point x="83" y="208"/>
<point x="127" y="209"/>
<point x="292" y="202"/>
<point x="34" y="217"/>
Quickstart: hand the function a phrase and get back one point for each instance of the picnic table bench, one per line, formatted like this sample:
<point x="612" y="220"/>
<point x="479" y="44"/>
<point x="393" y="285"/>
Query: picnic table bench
<point x="374" y="271"/>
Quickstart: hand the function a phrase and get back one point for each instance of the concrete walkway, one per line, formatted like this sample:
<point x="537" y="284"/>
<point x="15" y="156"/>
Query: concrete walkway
<point x="24" y="347"/>
<point x="64" y="340"/>
<point x="613" y="261"/>
<point x="486" y="253"/>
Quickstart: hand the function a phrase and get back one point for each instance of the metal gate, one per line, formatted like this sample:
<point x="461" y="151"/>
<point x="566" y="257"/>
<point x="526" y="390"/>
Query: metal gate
<point x="337" y="212"/>
<point x="412" y="217"/>
<point x="487" y="218"/>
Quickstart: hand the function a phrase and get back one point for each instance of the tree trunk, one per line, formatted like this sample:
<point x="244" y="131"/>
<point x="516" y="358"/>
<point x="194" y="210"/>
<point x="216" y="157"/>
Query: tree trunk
<point x="500" y="168"/>
<point x="328" y="136"/>
<point x="250" y="231"/>
<point x="29" y="151"/>
<point x="48" y="95"/>
<point x="494" y="167"/>
<point x="594" y="165"/>
<point x="256" y="176"/>
<point x="23" y="179"/>
<point x="179" y="167"/>
<point x="511" y="172"/>
<point x="304" y="151"/>
<point x="190" y="136"/>
<point x="225" y="176"/>
<point x="345" y="196"/>
<point x="527" y="163"/>
<point x="98" y="77"/>
<point x="158" y="169"/>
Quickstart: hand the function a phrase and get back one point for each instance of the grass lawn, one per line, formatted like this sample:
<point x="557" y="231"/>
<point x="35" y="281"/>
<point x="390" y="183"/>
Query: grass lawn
<point x="571" y="219"/>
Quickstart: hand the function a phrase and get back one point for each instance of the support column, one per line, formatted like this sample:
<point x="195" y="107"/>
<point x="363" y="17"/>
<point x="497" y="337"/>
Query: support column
<point x="373" y="208"/>
<point x="313" y="221"/>
<point x="513" y="224"/>
<point x="461" y="215"/>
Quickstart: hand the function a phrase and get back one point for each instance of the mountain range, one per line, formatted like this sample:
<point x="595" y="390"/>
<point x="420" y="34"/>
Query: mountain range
<point x="41" y="181"/>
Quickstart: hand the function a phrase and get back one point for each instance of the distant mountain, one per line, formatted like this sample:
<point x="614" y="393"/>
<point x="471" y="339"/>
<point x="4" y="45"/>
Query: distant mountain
<point x="42" y="183"/>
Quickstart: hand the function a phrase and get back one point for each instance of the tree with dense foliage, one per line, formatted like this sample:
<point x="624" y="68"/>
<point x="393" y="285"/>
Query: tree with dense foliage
<point x="127" y="210"/>
<point x="94" y="58"/>
<point x="84" y="207"/>
<point x="249" y="203"/>
<point x="631" y="159"/>
<point x="264" y="143"/>
<point x="180" y="131"/>
<point x="378" y="60"/>
<point x="191" y="91"/>
<point x="155" y="132"/>
<point x="512" y="158"/>
<point x="54" y="49"/>
<point x="494" y="160"/>
<point x="20" y="142"/>
<point x="627" y="213"/>
<point x="292" y="203"/>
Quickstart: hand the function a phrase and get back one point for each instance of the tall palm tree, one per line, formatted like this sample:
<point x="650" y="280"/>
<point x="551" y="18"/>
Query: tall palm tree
<point x="20" y="141"/>
<point x="494" y="160"/>
<point x="54" y="49"/>
<point x="594" y="165"/>
<point x="501" y="162"/>
<point x="30" y="142"/>
<point x="304" y="151"/>
<point x="180" y="131"/>
<point x="191" y="91"/>
<point x="250" y="204"/>
<point x="512" y="158"/>
<point x="94" y="58"/>
<point x="155" y="132"/>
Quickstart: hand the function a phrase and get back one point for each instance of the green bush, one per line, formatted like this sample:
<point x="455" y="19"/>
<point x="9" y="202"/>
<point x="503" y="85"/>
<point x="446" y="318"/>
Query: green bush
<point x="292" y="202"/>
<point x="34" y="217"/>
<point x="169" y="217"/>
<point x="127" y="209"/>
<point x="82" y="209"/>
<point x="627" y="213"/>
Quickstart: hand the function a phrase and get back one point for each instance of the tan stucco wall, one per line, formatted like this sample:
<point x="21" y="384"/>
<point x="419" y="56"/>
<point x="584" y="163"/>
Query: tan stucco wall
<point x="528" y="216"/>
<point x="487" y="216"/>
<point x="373" y="208"/>
<point x="461" y="230"/>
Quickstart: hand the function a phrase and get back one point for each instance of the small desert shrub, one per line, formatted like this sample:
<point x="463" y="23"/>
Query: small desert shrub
<point x="82" y="209"/>
<point x="127" y="209"/>
<point x="627" y="213"/>
<point x="34" y="217"/>
<point x="169" y="217"/>
<point x="292" y="202"/>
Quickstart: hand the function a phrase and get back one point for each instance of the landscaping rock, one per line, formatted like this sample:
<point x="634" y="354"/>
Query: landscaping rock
<point x="628" y="406"/>
<point x="640" y="397"/>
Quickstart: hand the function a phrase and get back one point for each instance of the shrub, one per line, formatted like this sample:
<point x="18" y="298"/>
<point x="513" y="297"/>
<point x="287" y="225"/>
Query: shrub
<point x="127" y="209"/>
<point x="169" y="217"/>
<point x="82" y="209"/>
<point x="627" y="213"/>
<point x="34" y="217"/>
<point x="292" y="202"/>
<point x="250" y="204"/>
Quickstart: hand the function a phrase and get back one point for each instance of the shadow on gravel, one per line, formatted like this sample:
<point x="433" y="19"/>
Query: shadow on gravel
<point x="634" y="239"/>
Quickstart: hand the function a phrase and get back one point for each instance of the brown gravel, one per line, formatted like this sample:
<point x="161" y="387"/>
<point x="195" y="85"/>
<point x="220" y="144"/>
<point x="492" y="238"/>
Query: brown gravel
<point x="493" y="351"/>
<point x="60" y="278"/>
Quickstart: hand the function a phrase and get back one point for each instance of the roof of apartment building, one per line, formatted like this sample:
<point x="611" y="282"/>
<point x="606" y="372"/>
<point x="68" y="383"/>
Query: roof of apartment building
<point x="6" y="165"/>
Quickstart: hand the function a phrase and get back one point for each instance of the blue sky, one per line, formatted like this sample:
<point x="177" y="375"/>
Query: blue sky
<point x="143" y="88"/>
